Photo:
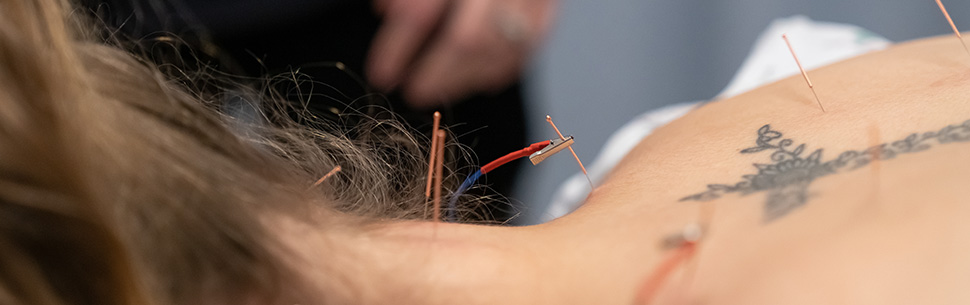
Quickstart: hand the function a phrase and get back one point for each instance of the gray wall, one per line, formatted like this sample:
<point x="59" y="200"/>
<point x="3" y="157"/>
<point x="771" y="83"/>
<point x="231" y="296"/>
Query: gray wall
<point x="609" y="60"/>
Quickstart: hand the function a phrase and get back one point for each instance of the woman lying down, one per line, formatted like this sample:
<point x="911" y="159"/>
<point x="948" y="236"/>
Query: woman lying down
<point x="119" y="186"/>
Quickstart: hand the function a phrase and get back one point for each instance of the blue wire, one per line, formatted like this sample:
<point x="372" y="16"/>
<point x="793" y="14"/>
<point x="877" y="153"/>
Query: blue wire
<point x="452" y="204"/>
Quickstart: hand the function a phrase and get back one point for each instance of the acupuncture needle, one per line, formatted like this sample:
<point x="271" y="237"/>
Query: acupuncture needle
<point x="952" y="25"/>
<point x="875" y="163"/>
<point x="431" y="153"/>
<point x="549" y="119"/>
<point x="439" y="166"/>
<point x="804" y="74"/>
<point x="332" y="172"/>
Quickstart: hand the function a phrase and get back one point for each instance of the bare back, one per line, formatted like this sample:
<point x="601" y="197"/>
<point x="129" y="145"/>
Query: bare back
<point x="864" y="203"/>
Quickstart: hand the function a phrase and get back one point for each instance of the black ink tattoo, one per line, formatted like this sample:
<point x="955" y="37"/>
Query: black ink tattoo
<point x="787" y="178"/>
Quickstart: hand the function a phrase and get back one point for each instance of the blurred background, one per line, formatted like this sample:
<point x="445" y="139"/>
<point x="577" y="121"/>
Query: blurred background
<point x="605" y="62"/>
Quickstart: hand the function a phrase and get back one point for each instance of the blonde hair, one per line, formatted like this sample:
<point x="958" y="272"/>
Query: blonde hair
<point x="119" y="186"/>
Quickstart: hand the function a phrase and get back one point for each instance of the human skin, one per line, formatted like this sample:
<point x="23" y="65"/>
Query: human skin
<point x="438" y="51"/>
<point x="891" y="231"/>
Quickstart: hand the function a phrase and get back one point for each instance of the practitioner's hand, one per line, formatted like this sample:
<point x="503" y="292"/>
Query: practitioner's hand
<point x="436" y="51"/>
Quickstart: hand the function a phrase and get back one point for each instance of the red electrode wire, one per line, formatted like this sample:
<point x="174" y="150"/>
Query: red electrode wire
<point x="525" y="152"/>
<point x="522" y="153"/>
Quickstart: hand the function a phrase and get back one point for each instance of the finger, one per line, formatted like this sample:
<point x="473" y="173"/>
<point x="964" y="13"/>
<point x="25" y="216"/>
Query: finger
<point x="455" y="76"/>
<point x="407" y="25"/>
<point x="470" y="55"/>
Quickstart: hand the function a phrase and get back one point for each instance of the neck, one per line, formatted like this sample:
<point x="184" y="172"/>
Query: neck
<point x="584" y="258"/>
<point x="576" y="260"/>
<point x="444" y="263"/>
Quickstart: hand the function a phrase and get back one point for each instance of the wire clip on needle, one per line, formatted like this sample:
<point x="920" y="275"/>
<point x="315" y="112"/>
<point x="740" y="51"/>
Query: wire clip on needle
<point x="554" y="147"/>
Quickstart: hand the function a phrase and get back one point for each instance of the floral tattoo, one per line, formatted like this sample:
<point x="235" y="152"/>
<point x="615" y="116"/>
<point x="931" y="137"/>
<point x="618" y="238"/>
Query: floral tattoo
<point x="787" y="178"/>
